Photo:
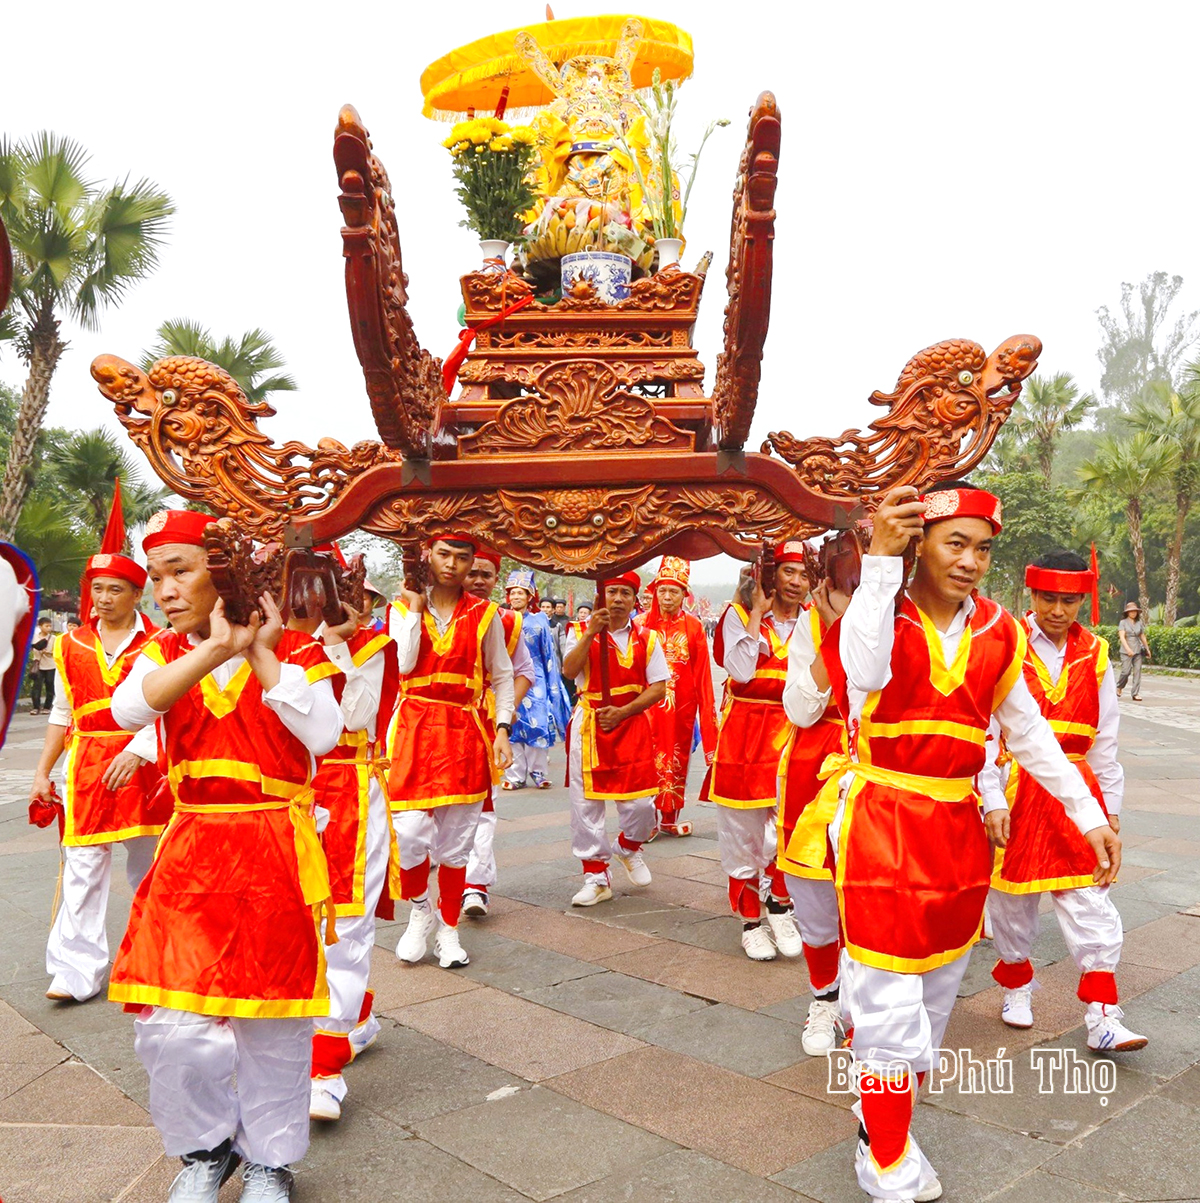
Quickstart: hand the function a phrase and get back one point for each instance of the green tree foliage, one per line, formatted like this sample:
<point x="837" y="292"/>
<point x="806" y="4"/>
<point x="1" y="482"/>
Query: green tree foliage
<point x="253" y="360"/>
<point x="1047" y="408"/>
<point x="77" y="247"/>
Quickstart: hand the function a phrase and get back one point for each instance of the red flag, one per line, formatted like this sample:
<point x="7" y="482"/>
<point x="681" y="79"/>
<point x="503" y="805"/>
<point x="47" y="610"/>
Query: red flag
<point x="113" y="542"/>
<point x="1095" y="588"/>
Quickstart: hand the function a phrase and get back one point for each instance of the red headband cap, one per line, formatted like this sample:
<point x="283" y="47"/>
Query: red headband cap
<point x="453" y="537"/>
<point x="176" y="526"/>
<point x="962" y="503"/>
<point x="486" y="553"/>
<point x="1059" y="580"/>
<point x="626" y="578"/>
<point x="113" y="564"/>
<point x="790" y="551"/>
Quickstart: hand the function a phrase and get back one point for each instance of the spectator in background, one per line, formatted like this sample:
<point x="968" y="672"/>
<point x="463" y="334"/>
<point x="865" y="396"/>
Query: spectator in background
<point x="42" y="689"/>
<point x="546" y="605"/>
<point x="1132" y="632"/>
<point x="559" y="618"/>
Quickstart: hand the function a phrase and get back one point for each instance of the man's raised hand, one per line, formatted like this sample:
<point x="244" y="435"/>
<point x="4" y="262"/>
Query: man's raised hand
<point x="898" y="520"/>
<point x="227" y="638"/>
<point x="599" y="621"/>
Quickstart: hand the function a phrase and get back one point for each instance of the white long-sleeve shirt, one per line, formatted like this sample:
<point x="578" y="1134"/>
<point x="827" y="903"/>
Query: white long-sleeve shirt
<point x="405" y="629"/>
<point x="656" y="662"/>
<point x="803" y="702"/>
<point x="308" y="710"/>
<point x="145" y="742"/>
<point x="742" y="648"/>
<point x="363" y="689"/>
<point x="867" y="634"/>
<point x="1102" y="756"/>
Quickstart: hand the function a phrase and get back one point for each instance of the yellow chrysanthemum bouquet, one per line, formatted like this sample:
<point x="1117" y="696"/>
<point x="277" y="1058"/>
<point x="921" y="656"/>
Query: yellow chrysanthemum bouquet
<point x="494" y="165"/>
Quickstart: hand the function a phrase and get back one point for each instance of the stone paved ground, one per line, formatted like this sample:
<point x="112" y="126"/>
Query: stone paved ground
<point x="632" y="1052"/>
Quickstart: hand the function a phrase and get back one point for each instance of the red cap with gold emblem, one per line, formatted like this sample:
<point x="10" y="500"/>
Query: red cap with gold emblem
<point x="487" y="553"/>
<point x="113" y="564"/>
<point x="962" y="503"/>
<point x="176" y="526"/>
<point x="672" y="571"/>
<point x="626" y="578"/>
<point x="790" y="551"/>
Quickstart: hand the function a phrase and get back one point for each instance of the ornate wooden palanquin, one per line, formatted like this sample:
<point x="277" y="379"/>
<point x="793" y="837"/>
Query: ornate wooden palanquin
<point x="581" y="438"/>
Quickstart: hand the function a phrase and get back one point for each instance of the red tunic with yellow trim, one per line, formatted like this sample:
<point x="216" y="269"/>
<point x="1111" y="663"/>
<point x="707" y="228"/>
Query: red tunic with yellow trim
<point x="441" y="738"/>
<point x="220" y="924"/>
<point x="913" y="869"/>
<point x="1046" y="850"/>
<point x="343" y="781"/>
<point x="800" y="767"/>
<point x="754" y="727"/>
<point x="617" y="765"/>
<point x="94" y="813"/>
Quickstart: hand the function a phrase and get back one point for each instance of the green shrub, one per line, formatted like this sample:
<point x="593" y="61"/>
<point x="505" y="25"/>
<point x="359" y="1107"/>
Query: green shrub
<point x="1170" y="647"/>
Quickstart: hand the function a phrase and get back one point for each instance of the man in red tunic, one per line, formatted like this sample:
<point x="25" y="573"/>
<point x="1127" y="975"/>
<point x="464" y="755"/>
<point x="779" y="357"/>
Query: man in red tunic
<point x="359" y="843"/>
<point x="918" y="688"/>
<point x="620" y="671"/>
<point x="689" y="691"/>
<point x="1068" y="674"/>
<point x="222" y="960"/>
<point x="445" y="755"/>
<point x="111" y="786"/>
<point x="752" y="646"/>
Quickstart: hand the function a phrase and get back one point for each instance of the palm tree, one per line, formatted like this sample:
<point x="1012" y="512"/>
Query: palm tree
<point x="248" y="360"/>
<point x="78" y="246"/>
<point x="1172" y="420"/>
<point x="1047" y="408"/>
<point x="84" y="466"/>
<point x="1129" y="468"/>
<point x="54" y="543"/>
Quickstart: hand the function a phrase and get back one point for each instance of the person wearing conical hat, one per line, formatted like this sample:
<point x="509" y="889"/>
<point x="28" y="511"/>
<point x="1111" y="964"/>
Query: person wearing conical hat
<point x="1131" y="631"/>
<point x="751" y="644"/>
<point x="111" y="785"/>
<point x="689" y="691"/>
<point x="918" y="683"/>
<point x="620" y="673"/>
<point x="222" y="961"/>
<point x="1067" y="671"/>
<point x="543" y="712"/>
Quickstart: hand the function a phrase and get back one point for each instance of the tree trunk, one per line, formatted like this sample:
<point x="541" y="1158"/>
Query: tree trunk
<point x="1046" y="460"/>
<point x="1183" y="503"/>
<point x="45" y="350"/>
<point x="1134" y="513"/>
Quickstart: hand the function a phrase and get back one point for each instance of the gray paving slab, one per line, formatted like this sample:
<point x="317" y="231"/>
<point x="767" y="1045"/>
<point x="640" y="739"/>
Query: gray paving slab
<point x="518" y="967"/>
<point x="541" y="1143"/>
<point x="1042" y="1187"/>
<point x="746" y="1042"/>
<point x="683" y="1176"/>
<point x="617" y="1001"/>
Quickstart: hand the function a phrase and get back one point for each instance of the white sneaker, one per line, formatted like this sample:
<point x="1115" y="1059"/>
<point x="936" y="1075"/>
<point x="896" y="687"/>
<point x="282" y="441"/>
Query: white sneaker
<point x="364" y="1035"/>
<point x="1106" y="1032"/>
<point x="592" y="892"/>
<point x="262" y="1184"/>
<point x="200" y="1181"/>
<point x="821" y="1027"/>
<point x="475" y="904"/>
<point x="758" y="944"/>
<point x="929" y="1194"/>
<point x="416" y="935"/>
<point x="447" y="948"/>
<point x="1017" y="1011"/>
<point x="783" y="932"/>
<point x="634" y="864"/>
<point x="323" y="1103"/>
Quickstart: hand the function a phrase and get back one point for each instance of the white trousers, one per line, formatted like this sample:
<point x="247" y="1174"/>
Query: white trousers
<point x="747" y="840"/>
<point x="348" y="962"/>
<point x="527" y="760"/>
<point x="898" y="1018"/>
<point x="816" y="906"/>
<point x="213" y="1079"/>
<point x="481" y="867"/>
<point x="1088" y="918"/>
<point x="444" y="834"/>
<point x="636" y="819"/>
<point x="77" y="951"/>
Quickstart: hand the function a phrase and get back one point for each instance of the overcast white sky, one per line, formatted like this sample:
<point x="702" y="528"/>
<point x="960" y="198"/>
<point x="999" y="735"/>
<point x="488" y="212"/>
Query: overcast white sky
<point x="948" y="170"/>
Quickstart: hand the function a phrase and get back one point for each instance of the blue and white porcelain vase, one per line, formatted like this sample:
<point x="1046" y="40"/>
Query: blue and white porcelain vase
<point x="608" y="273"/>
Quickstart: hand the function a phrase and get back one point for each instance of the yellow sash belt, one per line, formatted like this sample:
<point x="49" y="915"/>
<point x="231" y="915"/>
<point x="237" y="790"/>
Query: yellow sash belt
<point x="310" y="856"/>
<point x="807" y="845"/>
<point x="473" y="709"/>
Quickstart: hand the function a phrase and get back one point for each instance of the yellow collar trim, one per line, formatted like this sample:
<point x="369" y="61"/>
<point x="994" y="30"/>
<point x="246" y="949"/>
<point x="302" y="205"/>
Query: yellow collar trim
<point x="220" y="702"/>
<point x="945" y="679"/>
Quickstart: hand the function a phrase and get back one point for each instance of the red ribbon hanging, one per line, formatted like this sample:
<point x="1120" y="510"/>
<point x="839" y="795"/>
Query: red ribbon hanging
<point x="1095" y="588"/>
<point x="466" y="337"/>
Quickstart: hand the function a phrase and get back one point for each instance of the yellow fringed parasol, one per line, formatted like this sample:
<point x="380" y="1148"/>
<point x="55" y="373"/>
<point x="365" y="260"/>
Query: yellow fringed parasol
<point x="474" y="77"/>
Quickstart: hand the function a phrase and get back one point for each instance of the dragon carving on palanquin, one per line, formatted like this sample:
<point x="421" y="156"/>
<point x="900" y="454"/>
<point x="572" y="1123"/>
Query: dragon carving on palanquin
<point x="581" y="439"/>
